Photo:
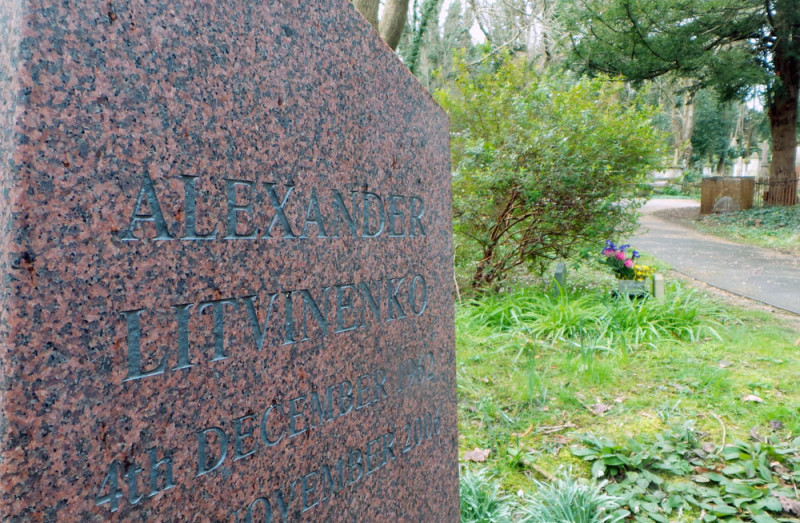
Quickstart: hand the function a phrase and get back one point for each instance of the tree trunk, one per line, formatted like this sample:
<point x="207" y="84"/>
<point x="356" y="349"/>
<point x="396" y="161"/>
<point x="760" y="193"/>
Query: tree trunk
<point x="369" y="10"/>
<point x="395" y="13"/>
<point x="783" y="106"/>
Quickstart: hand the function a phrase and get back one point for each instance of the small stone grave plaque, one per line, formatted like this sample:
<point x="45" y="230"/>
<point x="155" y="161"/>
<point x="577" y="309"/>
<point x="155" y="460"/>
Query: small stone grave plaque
<point x="227" y="267"/>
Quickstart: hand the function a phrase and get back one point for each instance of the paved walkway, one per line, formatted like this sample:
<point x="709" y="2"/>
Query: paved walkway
<point x="759" y="274"/>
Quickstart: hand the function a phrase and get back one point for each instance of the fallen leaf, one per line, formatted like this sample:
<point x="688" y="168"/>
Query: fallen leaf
<point x="682" y="388"/>
<point x="523" y="434"/>
<point x="775" y="424"/>
<point x="792" y="506"/>
<point x="709" y="448"/>
<point x="752" y="397"/>
<point x="477" y="455"/>
<point x="599" y="408"/>
<point x="754" y="435"/>
<point x="485" y="380"/>
<point x="797" y="343"/>
<point x="619" y="400"/>
<point x="779" y="468"/>
<point x="724" y="364"/>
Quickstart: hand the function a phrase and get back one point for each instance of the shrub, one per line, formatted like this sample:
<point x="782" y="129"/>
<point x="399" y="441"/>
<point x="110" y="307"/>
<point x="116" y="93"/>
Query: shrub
<point x="543" y="164"/>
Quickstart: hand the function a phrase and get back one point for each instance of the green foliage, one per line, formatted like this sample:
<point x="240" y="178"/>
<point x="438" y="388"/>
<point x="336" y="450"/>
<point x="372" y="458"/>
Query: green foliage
<point x="646" y="39"/>
<point x="776" y="227"/>
<point x="528" y="398"/>
<point x="481" y="499"/>
<point x="567" y="500"/>
<point x="543" y="164"/>
<point x="741" y="480"/>
<point x="531" y="314"/>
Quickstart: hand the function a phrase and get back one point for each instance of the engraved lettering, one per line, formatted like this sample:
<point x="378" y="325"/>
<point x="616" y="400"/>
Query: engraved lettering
<point x="369" y="454"/>
<point x="318" y="220"/>
<point x="155" y="215"/>
<point x="366" y="232"/>
<point x="283" y="504"/>
<point x="354" y="464"/>
<point x="416" y="216"/>
<point x="392" y="288"/>
<point x="309" y="305"/>
<point x="133" y="484"/>
<point x="341" y="214"/>
<point x="114" y="492"/>
<point x="361" y="387"/>
<point x="240" y="436"/>
<point x="264" y="436"/>
<point x="294" y="413"/>
<point x="155" y="464"/>
<point x="345" y="398"/>
<point x="309" y="487"/>
<point x="394" y="215"/>
<point x="251" y="509"/>
<point x="333" y="487"/>
<point x="324" y="412"/>
<point x="135" y="370"/>
<point x="418" y="281"/>
<point x="344" y="303"/>
<point x="280" y="215"/>
<point x="206" y="463"/>
<point x="190" y="209"/>
<point x="218" y="310"/>
<point x="368" y="299"/>
<point x="259" y="333"/>
<point x="235" y="209"/>
<point x="182" y="316"/>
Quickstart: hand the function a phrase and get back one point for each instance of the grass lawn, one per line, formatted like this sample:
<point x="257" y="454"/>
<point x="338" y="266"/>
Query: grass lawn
<point x="649" y="396"/>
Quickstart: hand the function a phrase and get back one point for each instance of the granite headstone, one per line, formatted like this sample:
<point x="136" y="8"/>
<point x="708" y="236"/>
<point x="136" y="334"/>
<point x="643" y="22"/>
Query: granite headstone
<point x="226" y="267"/>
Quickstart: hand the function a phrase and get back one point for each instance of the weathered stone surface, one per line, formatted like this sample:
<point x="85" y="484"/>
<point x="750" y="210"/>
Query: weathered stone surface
<point x="198" y="321"/>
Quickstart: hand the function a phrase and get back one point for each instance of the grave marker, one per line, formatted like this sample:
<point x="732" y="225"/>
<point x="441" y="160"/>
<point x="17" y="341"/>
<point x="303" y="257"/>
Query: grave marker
<point x="227" y="267"/>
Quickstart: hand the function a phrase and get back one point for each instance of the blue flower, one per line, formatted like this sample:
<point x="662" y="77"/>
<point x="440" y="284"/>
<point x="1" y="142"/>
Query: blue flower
<point x="636" y="254"/>
<point x="610" y="245"/>
<point x="623" y="247"/>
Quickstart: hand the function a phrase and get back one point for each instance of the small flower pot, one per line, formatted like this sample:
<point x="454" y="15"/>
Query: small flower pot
<point x="632" y="288"/>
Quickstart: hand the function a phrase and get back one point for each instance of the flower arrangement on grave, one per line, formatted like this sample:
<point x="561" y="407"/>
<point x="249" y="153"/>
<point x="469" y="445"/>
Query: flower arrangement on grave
<point x="643" y="272"/>
<point x="622" y="264"/>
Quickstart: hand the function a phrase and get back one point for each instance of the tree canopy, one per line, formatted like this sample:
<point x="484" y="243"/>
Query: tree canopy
<point x="736" y="47"/>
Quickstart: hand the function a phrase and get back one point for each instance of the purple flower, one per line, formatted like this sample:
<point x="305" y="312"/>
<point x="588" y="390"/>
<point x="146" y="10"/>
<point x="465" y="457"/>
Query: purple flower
<point x="635" y="254"/>
<point x="610" y="245"/>
<point x="623" y="247"/>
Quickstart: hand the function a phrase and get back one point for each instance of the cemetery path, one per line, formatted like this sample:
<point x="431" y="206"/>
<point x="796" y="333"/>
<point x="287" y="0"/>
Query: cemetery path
<point x="760" y="274"/>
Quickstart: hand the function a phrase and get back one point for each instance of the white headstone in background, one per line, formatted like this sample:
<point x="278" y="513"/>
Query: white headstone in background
<point x="753" y="165"/>
<point x="738" y="167"/>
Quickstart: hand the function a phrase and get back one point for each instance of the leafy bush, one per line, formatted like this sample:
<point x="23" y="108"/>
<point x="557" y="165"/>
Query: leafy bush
<point x="542" y="164"/>
<point x="743" y="480"/>
<point x="565" y="500"/>
<point x="481" y="500"/>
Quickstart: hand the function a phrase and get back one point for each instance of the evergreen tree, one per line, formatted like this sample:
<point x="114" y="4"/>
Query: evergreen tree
<point x="732" y="46"/>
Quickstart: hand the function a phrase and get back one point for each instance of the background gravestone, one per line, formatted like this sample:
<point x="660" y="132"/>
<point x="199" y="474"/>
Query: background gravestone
<point x="226" y="257"/>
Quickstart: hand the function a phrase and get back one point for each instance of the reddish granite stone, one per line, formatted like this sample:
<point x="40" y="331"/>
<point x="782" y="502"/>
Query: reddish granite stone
<point x="181" y="340"/>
